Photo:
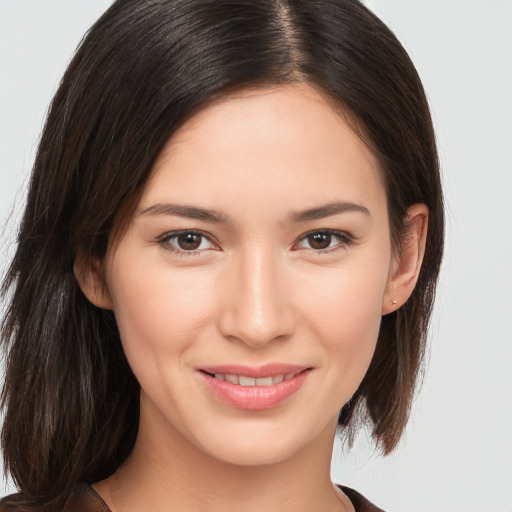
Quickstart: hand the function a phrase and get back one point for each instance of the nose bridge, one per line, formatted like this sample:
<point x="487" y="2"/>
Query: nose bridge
<point x="257" y="311"/>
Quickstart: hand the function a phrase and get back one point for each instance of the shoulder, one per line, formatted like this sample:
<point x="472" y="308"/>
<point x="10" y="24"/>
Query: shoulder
<point x="83" y="498"/>
<point x="361" y="504"/>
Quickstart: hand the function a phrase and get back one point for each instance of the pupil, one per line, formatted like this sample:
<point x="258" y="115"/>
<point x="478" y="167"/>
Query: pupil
<point x="319" y="240"/>
<point x="189" y="241"/>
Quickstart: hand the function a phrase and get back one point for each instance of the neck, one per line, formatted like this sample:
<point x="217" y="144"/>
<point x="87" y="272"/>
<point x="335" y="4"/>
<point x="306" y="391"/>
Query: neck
<point x="168" y="472"/>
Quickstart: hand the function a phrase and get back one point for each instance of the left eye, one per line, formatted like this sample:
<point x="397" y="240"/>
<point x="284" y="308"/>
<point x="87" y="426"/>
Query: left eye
<point x="186" y="241"/>
<point x="323" y="240"/>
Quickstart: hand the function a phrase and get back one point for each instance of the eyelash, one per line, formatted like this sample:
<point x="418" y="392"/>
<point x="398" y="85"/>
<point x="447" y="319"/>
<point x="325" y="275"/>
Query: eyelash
<point x="344" y="240"/>
<point x="164" y="242"/>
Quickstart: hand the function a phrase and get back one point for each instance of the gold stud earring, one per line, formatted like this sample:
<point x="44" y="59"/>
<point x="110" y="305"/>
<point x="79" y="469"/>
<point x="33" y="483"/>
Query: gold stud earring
<point x="393" y="302"/>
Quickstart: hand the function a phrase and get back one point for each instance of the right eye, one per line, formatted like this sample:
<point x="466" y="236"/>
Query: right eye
<point x="325" y="240"/>
<point x="186" y="242"/>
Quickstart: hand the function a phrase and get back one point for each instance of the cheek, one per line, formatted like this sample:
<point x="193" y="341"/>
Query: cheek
<point x="157" y="312"/>
<point x="344" y="312"/>
<point x="354" y="326"/>
<point x="345" y="299"/>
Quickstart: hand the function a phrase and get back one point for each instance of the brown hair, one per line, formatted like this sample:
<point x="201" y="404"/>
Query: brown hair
<point x="70" y="399"/>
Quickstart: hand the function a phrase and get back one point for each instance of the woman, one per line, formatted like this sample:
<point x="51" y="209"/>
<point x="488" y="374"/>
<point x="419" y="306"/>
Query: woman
<point x="229" y="251"/>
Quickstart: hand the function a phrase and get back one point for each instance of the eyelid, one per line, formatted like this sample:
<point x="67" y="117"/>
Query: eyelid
<point x="345" y="239"/>
<point x="164" y="242"/>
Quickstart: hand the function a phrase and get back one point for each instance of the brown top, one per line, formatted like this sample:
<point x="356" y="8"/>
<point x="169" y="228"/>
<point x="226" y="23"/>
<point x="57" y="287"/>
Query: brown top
<point x="85" y="499"/>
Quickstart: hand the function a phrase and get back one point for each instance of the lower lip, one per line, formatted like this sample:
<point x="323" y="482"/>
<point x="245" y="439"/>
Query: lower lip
<point x="254" y="398"/>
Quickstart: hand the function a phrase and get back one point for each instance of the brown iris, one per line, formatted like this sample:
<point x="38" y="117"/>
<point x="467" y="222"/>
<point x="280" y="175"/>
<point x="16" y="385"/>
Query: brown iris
<point x="320" y="240"/>
<point x="189" y="241"/>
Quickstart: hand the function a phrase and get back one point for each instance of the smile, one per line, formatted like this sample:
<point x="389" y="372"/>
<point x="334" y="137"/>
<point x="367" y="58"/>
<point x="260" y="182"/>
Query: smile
<point x="244" y="380"/>
<point x="261" y="389"/>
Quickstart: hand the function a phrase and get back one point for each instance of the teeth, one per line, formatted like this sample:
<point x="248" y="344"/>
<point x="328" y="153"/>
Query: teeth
<point x="246" y="381"/>
<point x="231" y="378"/>
<point x="277" y="379"/>
<point x="264" y="381"/>
<point x="243" y="380"/>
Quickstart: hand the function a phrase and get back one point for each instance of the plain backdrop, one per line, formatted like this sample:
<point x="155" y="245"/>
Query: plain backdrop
<point x="456" y="455"/>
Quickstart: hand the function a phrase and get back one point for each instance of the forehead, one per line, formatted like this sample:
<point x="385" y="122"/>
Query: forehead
<point x="280" y="145"/>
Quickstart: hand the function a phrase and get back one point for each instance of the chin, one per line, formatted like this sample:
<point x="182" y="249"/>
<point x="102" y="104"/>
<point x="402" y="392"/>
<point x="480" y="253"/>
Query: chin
<point x="255" y="455"/>
<point x="258" y="446"/>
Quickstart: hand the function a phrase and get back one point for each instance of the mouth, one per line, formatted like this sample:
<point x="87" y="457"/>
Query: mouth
<point x="247" y="381"/>
<point x="252" y="388"/>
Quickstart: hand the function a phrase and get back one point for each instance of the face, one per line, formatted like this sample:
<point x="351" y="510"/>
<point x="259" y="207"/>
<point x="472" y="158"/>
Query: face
<point x="251" y="281"/>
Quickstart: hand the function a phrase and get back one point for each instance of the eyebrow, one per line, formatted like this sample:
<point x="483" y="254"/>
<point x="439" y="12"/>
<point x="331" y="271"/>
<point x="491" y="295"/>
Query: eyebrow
<point x="187" y="211"/>
<point x="214" y="216"/>
<point x="328" y="210"/>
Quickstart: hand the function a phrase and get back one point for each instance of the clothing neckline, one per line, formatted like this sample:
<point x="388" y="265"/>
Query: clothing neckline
<point x="85" y="494"/>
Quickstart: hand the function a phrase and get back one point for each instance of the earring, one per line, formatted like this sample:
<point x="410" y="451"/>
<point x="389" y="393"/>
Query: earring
<point x="393" y="302"/>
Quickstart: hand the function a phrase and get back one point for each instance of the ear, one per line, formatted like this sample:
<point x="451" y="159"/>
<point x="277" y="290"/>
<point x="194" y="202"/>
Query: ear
<point x="89" y="274"/>
<point x="407" y="264"/>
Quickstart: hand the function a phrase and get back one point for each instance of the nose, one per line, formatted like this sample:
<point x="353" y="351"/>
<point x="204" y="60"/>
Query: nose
<point x="257" y="307"/>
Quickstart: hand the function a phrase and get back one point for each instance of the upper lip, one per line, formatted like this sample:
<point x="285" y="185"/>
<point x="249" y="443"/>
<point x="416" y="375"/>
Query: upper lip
<point x="266" y="370"/>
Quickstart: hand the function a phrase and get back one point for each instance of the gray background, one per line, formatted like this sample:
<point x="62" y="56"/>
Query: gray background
<point x="456" y="455"/>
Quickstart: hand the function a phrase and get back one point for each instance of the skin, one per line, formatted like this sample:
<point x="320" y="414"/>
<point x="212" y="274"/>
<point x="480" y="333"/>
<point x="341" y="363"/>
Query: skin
<point x="257" y="290"/>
